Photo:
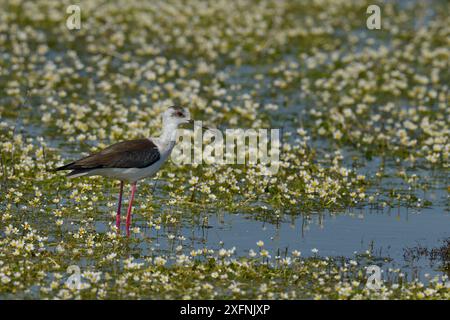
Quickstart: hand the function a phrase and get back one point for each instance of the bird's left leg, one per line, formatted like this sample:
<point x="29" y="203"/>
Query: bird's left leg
<point x="119" y="205"/>
<point x="130" y="207"/>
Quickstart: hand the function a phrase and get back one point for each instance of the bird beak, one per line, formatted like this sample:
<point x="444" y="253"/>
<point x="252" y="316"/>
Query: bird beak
<point x="192" y="122"/>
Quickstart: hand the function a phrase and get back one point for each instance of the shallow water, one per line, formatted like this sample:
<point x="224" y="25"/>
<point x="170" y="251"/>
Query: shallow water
<point x="386" y="232"/>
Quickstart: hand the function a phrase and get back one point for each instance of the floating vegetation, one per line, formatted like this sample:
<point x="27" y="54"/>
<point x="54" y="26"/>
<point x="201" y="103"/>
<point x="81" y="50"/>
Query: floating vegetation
<point x="364" y="117"/>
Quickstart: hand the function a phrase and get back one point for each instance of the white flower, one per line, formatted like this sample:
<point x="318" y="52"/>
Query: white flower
<point x="111" y="256"/>
<point x="159" y="261"/>
<point x="296" y="253"/>
<point x="5" y="279"/>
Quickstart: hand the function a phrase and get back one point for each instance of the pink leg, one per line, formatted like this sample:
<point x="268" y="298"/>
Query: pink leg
<point x="119" y="206"/>
<point x="130" y="206"/>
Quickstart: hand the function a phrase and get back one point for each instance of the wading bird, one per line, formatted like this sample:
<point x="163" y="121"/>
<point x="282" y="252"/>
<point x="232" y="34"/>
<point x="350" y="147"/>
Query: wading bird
<point x="130" y="161"/>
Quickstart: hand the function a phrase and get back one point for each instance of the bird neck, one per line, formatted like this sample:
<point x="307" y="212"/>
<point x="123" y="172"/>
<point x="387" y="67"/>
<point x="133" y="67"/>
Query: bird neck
<point x="169" y="132"/>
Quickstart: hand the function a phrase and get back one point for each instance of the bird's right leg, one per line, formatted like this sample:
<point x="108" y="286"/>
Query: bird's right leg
<point x="130" y="207"/>
<point x="118" y="207"/>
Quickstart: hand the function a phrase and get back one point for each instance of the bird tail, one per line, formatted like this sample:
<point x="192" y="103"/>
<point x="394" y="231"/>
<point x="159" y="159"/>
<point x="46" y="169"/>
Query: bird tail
<point x="74" y="173"/>
<point x="69" y="166"/>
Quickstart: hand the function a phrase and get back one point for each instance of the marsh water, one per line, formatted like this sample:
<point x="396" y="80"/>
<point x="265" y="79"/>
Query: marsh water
<point x="389" y="233"/>
<point x="393" y="235"/>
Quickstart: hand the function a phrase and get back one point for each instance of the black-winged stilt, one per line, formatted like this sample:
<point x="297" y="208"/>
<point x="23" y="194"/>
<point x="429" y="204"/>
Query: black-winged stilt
<point x="132" y="160"/>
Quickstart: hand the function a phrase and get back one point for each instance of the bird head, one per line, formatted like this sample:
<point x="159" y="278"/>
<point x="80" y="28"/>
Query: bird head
<point x="176" y="115"/>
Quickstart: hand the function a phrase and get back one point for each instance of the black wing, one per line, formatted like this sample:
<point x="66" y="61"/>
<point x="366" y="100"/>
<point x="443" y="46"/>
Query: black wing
<point x="127" y="154"/>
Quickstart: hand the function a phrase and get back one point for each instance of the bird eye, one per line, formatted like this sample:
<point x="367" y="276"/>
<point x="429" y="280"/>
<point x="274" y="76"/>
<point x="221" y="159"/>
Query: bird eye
<point x="179" y="114"/>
